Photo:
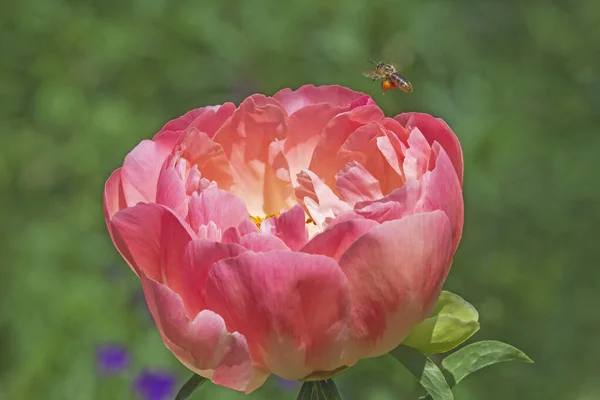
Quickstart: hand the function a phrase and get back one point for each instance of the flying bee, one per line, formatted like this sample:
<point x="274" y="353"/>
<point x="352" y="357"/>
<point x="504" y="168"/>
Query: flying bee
<point x="391" y="78"/>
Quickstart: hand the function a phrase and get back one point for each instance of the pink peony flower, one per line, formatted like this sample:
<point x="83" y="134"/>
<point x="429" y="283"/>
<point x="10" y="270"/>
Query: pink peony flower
<point x="293" y="235"/>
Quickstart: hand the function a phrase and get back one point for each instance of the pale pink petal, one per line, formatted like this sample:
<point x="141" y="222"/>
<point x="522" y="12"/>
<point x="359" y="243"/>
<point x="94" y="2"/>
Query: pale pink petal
<point x="196" y="183"/>
<point x="260" y="243"/>
<point x="304" y="132"/>
<point x="356" y="184"/>
<point x="208" y="156"/>
<point x="201" y="343"/>
<point x="308" y="95"/>
<point x="436" y="130"/>
<point x="336" y="239"/>
<point x="216" y="205"/>
<point x="395" y="273"/>
<point x="231" y="235"/>
<point x="142" y="167"/>
<point x="245" y="139"/>
<point x="364" y="146"/>
<point x="320" y="201"/>
<point x="291" y="307"/>
<point x="210" y="232"/>
<point x="290" y="227"/>
<point x="336" y="132"/>
<point x="417" y="155"/>
<point x="199" y="257"/>
<point x="171" y="192"/>
<point x="154" y="239"/>
<point x="396" y="205"/>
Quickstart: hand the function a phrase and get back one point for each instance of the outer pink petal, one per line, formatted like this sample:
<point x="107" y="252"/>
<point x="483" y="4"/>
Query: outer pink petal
<point x="395" y="273"/>
<point x="261" y="243"/>
<point x="114" y="201"/>
<point x="142" y="166"/>
<point x="183" y="122"/>
<point x="307" y="95"/>
<point x="202" y="343"/>
<point x="289" y="227"/>
<point x="336" y="132"/>
<point x="200" y="255"/>
<point x="335" y="240"/>
<point x="216" y="205"/>
<point x="442" y="191"/>
<point x="291" y="307"/>
<point x="436" y="130"/>
<point x="154" y="239"/>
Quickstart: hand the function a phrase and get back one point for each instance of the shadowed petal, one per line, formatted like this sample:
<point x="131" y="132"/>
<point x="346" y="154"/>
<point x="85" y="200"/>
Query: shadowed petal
<point x="202" y="343"/>
<point x="154" y="240"/>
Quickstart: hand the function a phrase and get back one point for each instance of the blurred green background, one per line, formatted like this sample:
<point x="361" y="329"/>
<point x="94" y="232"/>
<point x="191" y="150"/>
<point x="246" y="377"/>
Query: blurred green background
<point x="81" y="82"/>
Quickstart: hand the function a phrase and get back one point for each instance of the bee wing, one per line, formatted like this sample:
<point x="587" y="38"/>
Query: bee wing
<point x="372" y="74"/>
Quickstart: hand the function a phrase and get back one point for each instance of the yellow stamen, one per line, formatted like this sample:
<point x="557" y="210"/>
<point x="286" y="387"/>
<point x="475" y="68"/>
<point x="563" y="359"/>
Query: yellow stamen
<point x="258" y="220"/>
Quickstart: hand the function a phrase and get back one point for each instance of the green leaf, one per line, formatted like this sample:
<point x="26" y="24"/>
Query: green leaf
<point x="319" y="390"/>
<point x="479" y="355"/>
<point x="426" y="371"/>
<point x="190" y="386"/>
<point x="452" y="321"/>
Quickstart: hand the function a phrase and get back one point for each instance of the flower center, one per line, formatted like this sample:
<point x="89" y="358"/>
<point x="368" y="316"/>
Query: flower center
<point x="258" y="220"/>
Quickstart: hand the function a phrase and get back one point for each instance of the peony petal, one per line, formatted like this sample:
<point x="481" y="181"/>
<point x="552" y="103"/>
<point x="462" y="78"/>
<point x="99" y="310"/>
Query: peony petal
<point x="307" y="95"/>
<point x="260" y="243"/>
<point x="334" y="134"/>
<point x="245" y="139"/>
<point x="212" y="119"/>
<point x="200" y="255"/>
<point x="304" y="132"/>
<point x="291" y="307"/>
<point x="209" y="157"/>
<point x="395" y="273"/>
<point x="154" y="239"/>
<point x="142" y="167"/>
<point x="183" y="122"/>
<point x="202" y="343"/>
<point x="289" y="227"/>
<point x="218" y="206"/>
<point x="335" y="240"/>
<point x="417" y="155"/>
<point x="114" y="197"/>
<point x="171" y="192"/>
<point x="442" y="191"/>
<point x="356" y="184"/>
<point x="436" y="130"/>
<point x="320" y="201"/>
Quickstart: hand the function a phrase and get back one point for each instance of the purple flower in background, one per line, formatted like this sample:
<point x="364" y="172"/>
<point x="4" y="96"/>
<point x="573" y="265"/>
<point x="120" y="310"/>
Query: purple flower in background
<point x="155" y="385"/>
<point x="112" y="358"/>
<point x="287" y="384"/>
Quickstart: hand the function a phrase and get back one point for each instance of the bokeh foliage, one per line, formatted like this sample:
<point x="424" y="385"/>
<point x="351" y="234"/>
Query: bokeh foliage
<point x="81" y="82"/>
